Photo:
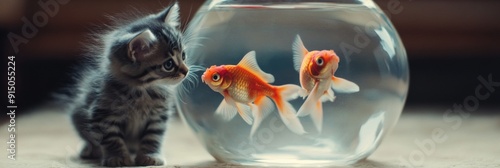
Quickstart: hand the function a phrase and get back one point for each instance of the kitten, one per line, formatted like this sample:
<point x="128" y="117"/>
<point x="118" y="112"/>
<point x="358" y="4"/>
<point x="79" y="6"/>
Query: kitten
<point x="126" y="97"/>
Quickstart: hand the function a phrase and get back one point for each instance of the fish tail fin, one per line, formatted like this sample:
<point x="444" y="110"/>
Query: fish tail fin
<point x="317" y="116"/>
<point x="313" y="106"/>
<point x="257" y="119"/>
<point x="260" y="110"/>
<point x="285" y="109"/>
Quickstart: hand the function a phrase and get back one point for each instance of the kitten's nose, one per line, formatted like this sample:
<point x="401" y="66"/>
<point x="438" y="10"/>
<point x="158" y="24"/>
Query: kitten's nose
<point x="183" y="70"/>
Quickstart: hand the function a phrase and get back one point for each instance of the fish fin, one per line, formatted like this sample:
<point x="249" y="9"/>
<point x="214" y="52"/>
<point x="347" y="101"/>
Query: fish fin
<point x="245" y="112"/>
<point x="226" y="111"/>
<point x="328" y="96"/>
<point x="317" y="116"/>
<point x="260" y="109"/>
<point x="299" y="52"/>
<point x="310" y="106"/>
<point x="286" y="110"/>
<point x="303" y="93"/>
<point x="250" y="63"/>
<point x="257" y="118"/>
<point x="344" y="86"/>
<point x="289" y="91"/>
<point x="266" y="106"/>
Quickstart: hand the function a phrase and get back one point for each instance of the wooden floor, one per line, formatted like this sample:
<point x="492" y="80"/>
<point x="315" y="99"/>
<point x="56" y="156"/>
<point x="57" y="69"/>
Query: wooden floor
<point x="46" y="139"/>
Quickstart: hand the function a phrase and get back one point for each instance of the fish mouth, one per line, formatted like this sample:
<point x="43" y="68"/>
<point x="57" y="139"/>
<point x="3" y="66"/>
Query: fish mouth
<point x="203" y="78"/>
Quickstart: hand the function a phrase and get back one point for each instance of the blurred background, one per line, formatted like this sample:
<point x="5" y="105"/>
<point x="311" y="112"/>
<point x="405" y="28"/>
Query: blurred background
<point x="450" y="43"/>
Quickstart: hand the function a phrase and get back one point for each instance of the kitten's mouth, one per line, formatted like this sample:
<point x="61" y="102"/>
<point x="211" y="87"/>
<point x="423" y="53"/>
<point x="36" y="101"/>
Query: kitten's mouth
<point x="182" y="76"/>
<point x="177" y="80"/>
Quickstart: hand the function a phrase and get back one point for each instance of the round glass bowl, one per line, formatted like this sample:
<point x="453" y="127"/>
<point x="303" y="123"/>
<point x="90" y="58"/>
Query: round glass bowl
<point x="370" y="54"/>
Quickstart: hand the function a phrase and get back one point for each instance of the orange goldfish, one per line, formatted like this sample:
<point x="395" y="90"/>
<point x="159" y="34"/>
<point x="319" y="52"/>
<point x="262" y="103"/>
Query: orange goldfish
<point x="316" y="69"/>
<point x="246" y="90"/>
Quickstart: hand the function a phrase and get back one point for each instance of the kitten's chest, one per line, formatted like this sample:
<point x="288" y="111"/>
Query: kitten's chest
<point x="138" y="119"/>
<point x="138" y="107"/>
<point x="135" y="125"/>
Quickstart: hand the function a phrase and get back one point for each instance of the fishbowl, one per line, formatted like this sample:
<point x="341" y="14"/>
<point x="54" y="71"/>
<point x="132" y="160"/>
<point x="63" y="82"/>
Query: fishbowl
<point x="292" y="82"/>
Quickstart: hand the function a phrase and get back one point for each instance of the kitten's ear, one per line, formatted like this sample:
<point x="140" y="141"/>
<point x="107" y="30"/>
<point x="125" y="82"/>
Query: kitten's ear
<point x="141" y="45"/>
<point x="170" y="16"/>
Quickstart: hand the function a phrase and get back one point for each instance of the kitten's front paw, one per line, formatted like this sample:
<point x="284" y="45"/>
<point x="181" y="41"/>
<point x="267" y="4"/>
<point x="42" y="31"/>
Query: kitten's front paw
<point x="117" y="161"/>
<point x="148" y="160"/>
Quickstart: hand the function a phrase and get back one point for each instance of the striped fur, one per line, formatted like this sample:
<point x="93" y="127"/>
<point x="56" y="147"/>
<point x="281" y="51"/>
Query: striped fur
<point x="125" y="99"/>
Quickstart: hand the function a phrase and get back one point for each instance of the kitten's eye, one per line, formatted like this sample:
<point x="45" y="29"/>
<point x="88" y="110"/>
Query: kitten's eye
<point x="216" y="77"/>
<point x="169" y="65"/>
<point x="320" y="61"/>
<point x="183" y="55"/>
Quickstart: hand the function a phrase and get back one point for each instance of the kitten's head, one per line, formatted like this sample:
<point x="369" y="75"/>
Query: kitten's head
<point x="150" y="50"/>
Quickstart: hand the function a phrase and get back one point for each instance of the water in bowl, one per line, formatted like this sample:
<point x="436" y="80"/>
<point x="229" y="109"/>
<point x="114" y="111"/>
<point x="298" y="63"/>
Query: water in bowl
<point x="371" y="55"/>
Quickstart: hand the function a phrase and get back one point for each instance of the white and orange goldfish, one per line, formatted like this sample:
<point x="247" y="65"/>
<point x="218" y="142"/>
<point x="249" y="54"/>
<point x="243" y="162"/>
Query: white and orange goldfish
<point x="246" y="90"/>
<point x="316" y="69"/>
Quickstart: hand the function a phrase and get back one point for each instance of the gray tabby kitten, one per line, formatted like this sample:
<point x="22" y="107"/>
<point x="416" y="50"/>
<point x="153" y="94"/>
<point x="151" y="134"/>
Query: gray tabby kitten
<point x="125" y="99"/>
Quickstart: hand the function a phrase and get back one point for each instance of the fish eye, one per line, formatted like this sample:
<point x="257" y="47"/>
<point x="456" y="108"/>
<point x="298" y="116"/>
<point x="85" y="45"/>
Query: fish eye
<point x="320" y="61"/>
<point x="215" y="77"/>
<point x="169" y="65"/>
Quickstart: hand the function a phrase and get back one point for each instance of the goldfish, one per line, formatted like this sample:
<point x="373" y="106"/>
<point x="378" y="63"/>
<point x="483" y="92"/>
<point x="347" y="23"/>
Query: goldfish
<point x="316" y="72"/>
<point x="246" y="91"/>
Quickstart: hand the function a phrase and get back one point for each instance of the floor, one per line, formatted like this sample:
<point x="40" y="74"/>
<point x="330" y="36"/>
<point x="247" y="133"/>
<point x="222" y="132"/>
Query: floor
<point x="420" y="139"/>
